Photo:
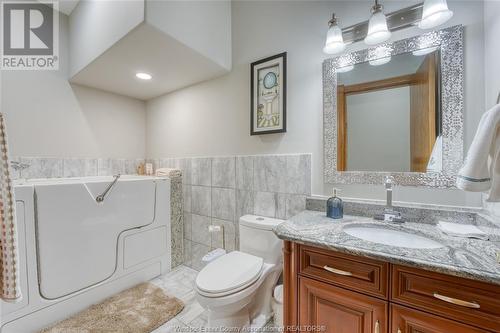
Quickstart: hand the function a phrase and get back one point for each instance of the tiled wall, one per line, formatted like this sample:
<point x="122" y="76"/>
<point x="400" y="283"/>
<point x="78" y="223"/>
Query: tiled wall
<point x="75" y="167"/>
<point x="218" y="190"/>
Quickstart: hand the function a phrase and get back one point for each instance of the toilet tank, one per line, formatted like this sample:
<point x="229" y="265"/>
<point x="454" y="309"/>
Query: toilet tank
<point x="257" y="238"/>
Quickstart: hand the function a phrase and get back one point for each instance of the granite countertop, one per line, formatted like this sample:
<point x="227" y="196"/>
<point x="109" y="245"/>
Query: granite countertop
<point x="469" y="258"/>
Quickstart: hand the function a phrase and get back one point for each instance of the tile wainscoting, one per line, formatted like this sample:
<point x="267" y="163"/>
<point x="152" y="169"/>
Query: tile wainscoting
<point x="218" y="190"/>
<point x="40" y="167"/>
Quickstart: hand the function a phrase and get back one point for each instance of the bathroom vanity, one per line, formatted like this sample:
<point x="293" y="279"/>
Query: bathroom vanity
<point x="349" y="284"/>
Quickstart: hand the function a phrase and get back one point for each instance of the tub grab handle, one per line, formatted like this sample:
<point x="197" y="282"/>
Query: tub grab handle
<point x="101" y="197"/>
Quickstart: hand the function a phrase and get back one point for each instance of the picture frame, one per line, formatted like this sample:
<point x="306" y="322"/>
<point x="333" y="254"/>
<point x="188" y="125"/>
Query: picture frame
<point x="268" y="95"/>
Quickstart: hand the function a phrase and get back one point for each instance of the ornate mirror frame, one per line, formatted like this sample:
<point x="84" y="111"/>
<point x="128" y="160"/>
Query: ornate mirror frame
<point x="450" y="41"/>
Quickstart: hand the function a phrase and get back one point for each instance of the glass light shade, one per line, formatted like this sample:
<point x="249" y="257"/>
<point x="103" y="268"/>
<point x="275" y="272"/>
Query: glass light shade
<point x="380" y="61"/>
<point x="435" y="13"/>
<point x="377" y="29"/>
<point x="345" y="69"/>
<point x="334" y="40"/>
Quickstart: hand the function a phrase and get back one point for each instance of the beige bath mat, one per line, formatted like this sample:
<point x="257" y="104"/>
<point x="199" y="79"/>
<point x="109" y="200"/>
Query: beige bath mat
<point x="140" y="309"/>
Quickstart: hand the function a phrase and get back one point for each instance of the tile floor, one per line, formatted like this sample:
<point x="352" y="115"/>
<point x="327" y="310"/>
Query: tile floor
<point x="193" y="318"/>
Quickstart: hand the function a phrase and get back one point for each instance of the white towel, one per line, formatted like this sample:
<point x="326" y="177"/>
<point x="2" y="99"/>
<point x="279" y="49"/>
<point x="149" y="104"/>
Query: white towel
<point x="461" y="230"/>
<point x="481" y="169"/>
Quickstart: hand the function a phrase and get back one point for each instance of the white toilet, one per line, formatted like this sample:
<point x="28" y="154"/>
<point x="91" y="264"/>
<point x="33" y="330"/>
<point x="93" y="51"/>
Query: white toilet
<point x="236" y="288"/>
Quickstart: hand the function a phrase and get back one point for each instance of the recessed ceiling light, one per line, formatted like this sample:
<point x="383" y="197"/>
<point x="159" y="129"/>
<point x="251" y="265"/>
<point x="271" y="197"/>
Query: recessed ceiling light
<point x="143" y="76"/>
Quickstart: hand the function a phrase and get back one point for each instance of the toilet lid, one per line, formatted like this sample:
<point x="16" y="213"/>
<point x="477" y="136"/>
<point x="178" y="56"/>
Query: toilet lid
<point x="229" y="272"/>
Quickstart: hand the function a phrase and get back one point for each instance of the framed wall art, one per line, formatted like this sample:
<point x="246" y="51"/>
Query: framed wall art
<point x="268" y="95"/>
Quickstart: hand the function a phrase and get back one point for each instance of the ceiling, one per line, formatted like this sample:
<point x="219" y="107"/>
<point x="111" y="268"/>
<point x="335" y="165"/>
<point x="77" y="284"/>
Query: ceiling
<point x="172" y="64"/>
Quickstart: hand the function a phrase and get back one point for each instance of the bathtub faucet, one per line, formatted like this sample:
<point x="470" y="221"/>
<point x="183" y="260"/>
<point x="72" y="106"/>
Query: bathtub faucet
<point x="18" y="166"/>
<point x="101" y="197"/>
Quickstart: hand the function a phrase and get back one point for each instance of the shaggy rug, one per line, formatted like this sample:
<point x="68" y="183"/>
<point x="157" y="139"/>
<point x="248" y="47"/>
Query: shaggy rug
<point x="140" y="309"/>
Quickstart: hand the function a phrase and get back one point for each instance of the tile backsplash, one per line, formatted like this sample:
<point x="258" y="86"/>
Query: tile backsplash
<point x="41" y="167"/>
<point x="218" y="190"/>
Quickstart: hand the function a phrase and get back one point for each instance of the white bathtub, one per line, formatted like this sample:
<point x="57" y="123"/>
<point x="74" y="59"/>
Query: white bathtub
<point x="74" y="251"/>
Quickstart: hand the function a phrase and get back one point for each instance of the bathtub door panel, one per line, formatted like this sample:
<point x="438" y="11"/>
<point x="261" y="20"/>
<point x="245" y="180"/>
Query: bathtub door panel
<point x="78" y="237"/>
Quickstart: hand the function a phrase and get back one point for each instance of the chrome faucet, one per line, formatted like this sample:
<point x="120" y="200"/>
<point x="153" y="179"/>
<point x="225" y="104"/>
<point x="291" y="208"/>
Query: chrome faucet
<point x="18" y="166"/>
<point x="390" y="214"/>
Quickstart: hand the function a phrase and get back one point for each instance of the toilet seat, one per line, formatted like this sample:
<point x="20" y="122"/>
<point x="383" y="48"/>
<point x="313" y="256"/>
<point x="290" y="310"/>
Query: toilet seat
<point x="229" y="274"/>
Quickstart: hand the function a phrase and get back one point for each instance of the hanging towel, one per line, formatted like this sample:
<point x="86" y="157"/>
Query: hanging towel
<point x="481" y="169"/>
<point x="9" y="286"/>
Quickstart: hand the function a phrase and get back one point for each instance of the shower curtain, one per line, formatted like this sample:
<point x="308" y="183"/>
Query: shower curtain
<point x="9" y="286"/>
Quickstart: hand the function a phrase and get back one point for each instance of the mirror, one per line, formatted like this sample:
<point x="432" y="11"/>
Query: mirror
<point x="389" y="114"/>
<point x="396" y="110"/>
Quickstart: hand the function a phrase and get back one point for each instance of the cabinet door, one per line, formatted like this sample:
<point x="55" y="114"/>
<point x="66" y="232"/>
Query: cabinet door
<point x="406" y="320"/>
<point x="340" y="310"/>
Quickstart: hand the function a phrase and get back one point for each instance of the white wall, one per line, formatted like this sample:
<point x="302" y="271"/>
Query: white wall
<point x="204" y="26"/>
<point x="378" y="130"/>
<point x="98" y="24"/>
<point x="212" y="118"/>
<point x="48" y="117"/>
<point x="492" y="50"/>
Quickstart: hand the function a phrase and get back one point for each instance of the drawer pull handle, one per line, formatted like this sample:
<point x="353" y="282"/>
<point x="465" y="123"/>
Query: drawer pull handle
<point x="336" y="271"/>
<point x="377" y="327"/>
<point x="456" y="301"/>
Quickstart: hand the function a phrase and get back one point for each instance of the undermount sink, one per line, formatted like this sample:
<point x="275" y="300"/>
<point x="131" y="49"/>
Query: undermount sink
<point x="392" y="237"/>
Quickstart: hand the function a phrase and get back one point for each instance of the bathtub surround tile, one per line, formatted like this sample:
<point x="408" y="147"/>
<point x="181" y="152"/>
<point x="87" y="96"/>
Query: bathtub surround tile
<point x="104" y="167"/>
<point x="131" y="166"/>
<point x="223" y="172"/>
<point x="79" y="167"/>
<point x="229" y="235"/>
<point x="201" y="171"/>
<point x="42" y="167"/>
<point x="298" y="174"/>
<point x="186" y="193"/>
<point x="265" y="204"/>
<point x="117" y="166"/>
<point x="184" y="164"/>
<point x="244" y="203"/>
<point x="200" y="231"/>
<point x="223" y="203"/>
<point x="244" y="172"/>
<point x="201" y="200"/>
<point x="269" y="175"/>
<point x="188" y="227"/>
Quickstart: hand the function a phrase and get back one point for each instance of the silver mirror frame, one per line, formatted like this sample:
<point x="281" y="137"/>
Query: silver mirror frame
<point x="451" y="43"/>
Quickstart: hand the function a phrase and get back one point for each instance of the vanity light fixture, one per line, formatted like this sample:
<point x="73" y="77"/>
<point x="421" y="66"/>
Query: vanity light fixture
<point x="143" y="76"/>
<point x="378" y="28"/>
<point x="334" y="40"/>
<point x="378" y="32"/>
<point x="435" y="13"/>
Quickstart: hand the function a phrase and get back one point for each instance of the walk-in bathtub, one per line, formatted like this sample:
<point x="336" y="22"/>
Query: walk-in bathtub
<point x="75" y="251"/>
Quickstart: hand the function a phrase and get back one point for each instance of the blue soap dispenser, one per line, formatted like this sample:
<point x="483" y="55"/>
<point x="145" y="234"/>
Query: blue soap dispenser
<point x="335" y="206"/>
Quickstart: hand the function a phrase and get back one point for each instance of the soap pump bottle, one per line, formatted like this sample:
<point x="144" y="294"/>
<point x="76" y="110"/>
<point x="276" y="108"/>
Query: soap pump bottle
<point x="335" y="206"/>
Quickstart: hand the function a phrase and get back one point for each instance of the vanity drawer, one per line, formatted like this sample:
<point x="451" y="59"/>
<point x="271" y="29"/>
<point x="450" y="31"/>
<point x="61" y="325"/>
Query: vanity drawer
<point x="464" y="300"/>
<point x="356" y="273"/>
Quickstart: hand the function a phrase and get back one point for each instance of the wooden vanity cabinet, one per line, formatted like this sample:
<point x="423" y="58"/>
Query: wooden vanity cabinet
<point x="351" y="294"/>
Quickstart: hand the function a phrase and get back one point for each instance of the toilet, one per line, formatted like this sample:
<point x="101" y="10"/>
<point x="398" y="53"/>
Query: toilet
<point x="236" y="288"/>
